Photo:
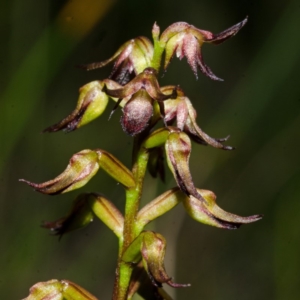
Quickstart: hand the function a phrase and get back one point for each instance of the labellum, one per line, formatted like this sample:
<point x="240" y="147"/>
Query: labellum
<point x="137" y="113"/>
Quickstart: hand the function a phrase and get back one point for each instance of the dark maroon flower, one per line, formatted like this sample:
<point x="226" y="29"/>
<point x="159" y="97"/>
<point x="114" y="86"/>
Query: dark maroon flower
<point x="139" y="95"/>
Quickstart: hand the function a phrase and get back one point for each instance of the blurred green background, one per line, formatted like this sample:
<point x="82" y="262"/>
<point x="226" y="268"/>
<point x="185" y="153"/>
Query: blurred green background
<point x="258" y="104"/>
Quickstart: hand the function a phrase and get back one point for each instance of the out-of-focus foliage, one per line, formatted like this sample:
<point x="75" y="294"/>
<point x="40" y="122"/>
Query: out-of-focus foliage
<point x="258" y="104"/>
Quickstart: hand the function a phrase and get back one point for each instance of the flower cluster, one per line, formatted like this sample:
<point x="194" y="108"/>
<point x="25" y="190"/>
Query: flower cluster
<point x="133" y="85"/>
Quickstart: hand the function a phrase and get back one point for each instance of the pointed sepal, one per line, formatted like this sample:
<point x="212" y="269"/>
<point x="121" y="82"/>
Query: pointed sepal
<point x="81" y="168"/>
<point x="158" y="207"/>
<point x="114" y="168"/>
<point x="178" y="150"/>
<point x="210" y="213"/>
<point x="107" y="212"/>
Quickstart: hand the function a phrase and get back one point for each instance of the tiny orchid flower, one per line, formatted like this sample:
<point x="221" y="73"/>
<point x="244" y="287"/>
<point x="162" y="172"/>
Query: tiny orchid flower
<point x="150" y="247"/>
<point x="81" y="168"/>
<point x="130" y="60"/>
<point x="139" y="95"/>
<point x="183" y="111"/>
<point x="210" y="213"/>
<point x="186" y="40"/>
<point x="91" y="104"/>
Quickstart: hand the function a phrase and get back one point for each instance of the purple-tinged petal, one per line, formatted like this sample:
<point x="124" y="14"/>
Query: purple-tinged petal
<point x="195" y="131"/>
<point x="205" y="69"/>
<point x="228" y="33"/>
<point x="191" y="48"/>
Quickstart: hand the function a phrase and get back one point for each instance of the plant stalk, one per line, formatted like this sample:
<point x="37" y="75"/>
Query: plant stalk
<point x="133" y="196"/>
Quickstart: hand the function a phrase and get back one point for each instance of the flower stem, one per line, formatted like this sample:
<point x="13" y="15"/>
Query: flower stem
<point x="133" y="196"/>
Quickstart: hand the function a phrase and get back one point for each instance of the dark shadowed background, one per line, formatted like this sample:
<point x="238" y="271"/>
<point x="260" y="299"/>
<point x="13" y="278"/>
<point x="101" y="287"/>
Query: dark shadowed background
<point x="258" y="104"/>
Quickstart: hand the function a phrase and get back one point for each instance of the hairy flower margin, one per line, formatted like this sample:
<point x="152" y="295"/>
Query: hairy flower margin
<point x="133" y="85"/>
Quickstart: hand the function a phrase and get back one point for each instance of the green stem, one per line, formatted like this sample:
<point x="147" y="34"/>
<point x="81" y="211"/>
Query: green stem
<point x="158" y="51"/>
<point x="133" y="196"/>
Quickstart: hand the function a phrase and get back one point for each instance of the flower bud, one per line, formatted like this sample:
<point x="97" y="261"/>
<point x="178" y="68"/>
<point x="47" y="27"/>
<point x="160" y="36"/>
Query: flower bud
<point x="91" y="104"/>
<point x="81" y="168"/>
<point x="186" y="40"/>
<point x="58" y="290"/>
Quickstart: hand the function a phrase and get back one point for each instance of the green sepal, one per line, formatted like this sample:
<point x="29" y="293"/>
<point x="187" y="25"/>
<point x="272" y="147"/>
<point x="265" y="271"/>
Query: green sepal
<point x="158" y="207"/>
<point x="153" y="254"/>
<point x="114" y="168"/>
<point x="107" y="212"/>
<point x="58" y="290"/>
<point x="132" y="254"/>
<point x="158" y="137"/>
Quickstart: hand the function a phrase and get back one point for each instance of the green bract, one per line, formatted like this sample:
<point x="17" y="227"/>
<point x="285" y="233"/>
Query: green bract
<point x="162" y="121"/>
